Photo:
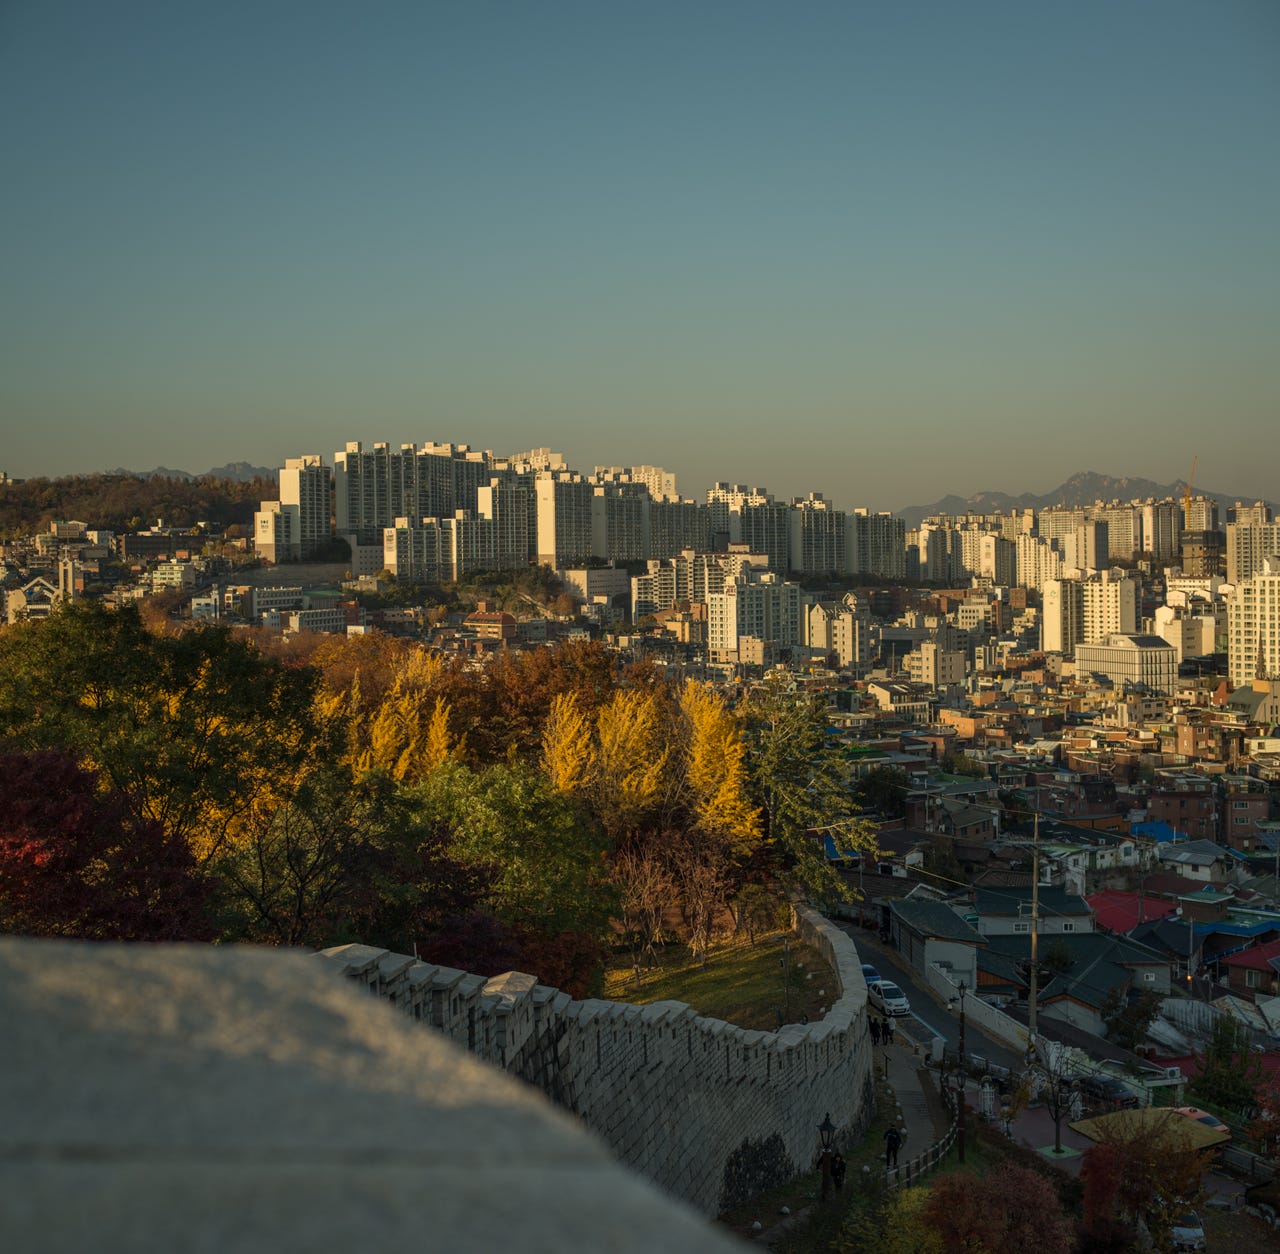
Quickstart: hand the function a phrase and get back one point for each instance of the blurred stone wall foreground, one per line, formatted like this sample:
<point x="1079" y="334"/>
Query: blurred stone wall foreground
<point x="228" y="1100"/>
<point x="708" y="1111"/>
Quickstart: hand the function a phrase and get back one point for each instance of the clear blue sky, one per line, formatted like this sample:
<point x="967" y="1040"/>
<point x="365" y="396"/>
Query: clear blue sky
<point x="878" y="250"/>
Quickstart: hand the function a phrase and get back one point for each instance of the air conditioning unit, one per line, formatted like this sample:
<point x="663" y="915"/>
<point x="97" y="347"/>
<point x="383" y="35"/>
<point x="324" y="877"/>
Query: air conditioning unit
<point x="1173" y="1073"/>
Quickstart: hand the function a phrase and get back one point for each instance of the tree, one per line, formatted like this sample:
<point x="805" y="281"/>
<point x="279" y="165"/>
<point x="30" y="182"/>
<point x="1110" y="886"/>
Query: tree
<point x="334" y="858"/>
<point x="1010" y="1208"/>
<point x="190" y="729"/>
<point x="1228" y="1073"/>
<point x="568" y="754"/>
<point x="548" y="860"/>
<point x="632" y="753"/>
<point x="799" y="785"/>
<point x="963" y="764"/>
<point x="1103" y="1230"/>
<point x="645" y="891"/>
<point x="715" y="773"/>
<point x="1160" y="1173"/>
<point x="1050" y="1077"/>
<point x="75" y="862"/>
<point x="883" y="790"/>
<point x="1264" y="1127"/>
<point x="1129" y="1015"/>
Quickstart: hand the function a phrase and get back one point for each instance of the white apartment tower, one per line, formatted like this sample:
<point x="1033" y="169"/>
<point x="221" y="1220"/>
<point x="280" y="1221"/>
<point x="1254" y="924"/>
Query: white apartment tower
<point x="1248" y="546"/>
<point x="765" y="609"/>
<point x="299" y="524"/>
<point x="564" y="519"/>
<point x="1253" y="626"/>
<point x="1084" y="611"/>
<point x="818" y="536"/>
<point x="1161" y="529"/>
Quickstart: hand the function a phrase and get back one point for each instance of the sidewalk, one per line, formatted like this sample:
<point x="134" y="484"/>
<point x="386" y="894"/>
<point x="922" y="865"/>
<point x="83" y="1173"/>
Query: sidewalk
<point x="922" y="1117"/>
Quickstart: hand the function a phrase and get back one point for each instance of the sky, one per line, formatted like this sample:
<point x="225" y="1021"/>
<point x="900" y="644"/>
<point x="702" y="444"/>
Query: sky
<point x="880" y="251"/>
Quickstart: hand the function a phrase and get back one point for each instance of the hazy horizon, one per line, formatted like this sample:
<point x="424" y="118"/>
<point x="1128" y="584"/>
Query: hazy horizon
<point x="883" y="253"/>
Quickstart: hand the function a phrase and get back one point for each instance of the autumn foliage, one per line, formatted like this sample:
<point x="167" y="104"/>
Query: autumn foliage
<point x="209" y="782"/>
<point x="75" y="862"/>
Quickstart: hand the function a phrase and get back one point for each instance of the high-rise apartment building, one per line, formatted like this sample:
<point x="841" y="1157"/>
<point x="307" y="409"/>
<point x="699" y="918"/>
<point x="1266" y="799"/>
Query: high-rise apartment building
<point x="373" y="487"/>
<point x="299" y="524"/>
<point x="678" y="525"/>
<point x="620" y="522"/>
<point x="1253" y="626"/>
<point x="509" y="503"/>
<point x="1084" y="611"/>
<point x="564" y="519"/>
<point x="765" y="609"/>
<point x="1161" y="529"/>
<point x="1248" y="545"/>
<point x="819" y="533"/>
<point x="876" y="545"/>
<point x="1087" y="547"/>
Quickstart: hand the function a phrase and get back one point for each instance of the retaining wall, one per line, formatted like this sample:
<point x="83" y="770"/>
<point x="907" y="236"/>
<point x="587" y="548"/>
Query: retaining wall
<point x="711" y="1112"/>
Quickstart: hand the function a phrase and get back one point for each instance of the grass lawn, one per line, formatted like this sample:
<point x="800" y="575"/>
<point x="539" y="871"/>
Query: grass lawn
<point x="741" y="983"/>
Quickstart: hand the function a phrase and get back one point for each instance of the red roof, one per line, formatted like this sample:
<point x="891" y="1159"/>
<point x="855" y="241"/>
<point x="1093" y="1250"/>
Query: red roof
<point x="1122" y="912"/>
<point x="1258" y="957"/>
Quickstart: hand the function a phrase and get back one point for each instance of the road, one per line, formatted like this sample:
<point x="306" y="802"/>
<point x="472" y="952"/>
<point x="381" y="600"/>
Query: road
<point x="931" y="1018"/>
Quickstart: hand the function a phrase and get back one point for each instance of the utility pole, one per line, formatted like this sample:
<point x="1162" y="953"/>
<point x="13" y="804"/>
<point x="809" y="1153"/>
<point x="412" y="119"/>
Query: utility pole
<point x="1035" y="922"/>
<point x="960" y="1099"/>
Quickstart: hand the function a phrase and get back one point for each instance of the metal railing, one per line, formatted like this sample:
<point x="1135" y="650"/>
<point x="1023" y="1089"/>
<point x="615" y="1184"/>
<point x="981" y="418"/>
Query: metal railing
<point x="915" y="1169"/>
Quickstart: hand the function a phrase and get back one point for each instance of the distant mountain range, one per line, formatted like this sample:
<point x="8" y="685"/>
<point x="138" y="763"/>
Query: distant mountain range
<point x="1081" y="489"/>
<point x="241" y="472"/>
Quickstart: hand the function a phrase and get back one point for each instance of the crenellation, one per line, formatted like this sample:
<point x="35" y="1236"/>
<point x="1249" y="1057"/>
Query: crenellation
<point x="673" y="1093"/>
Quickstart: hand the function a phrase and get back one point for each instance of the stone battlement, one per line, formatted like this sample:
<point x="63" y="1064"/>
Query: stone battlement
<point x="710" y="1112"/>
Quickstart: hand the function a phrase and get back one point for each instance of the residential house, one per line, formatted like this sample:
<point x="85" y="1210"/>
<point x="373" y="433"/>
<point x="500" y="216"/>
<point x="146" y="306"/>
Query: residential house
<point x="931" y="932"/>
<point x="1007" y="911"/>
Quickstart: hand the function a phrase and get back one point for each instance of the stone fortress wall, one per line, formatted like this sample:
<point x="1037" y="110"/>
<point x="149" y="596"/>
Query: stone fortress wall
<point x="710" y="1112"/>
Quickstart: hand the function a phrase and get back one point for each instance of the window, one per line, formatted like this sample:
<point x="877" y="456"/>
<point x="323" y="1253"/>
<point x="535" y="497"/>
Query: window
<point x="1022" y="927"/>
<point x="1252" y="979"/>
<point x="1068" y="927"/>
<point x="1149" y="977"/>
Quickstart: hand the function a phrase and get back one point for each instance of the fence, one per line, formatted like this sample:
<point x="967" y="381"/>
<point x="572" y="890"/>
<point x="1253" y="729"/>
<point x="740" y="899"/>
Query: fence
<point x="978" y="1012"/>
<point x="917" y="1168"/>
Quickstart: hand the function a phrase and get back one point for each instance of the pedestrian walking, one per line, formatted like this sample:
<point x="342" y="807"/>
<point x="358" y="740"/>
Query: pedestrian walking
<point x="892" y="1142"/>
<point x="887" y="1029"/>
<point x="875" y="1031"/>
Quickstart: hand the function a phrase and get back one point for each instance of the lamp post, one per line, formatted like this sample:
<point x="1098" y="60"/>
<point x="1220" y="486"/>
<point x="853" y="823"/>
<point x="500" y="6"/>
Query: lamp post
<point x="826" y="1135"/>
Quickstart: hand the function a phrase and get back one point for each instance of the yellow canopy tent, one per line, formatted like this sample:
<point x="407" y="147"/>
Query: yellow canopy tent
<point x="1158" y="1121"/>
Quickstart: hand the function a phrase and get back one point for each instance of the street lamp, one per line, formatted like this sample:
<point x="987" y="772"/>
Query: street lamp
<point x="826" y="1134"/>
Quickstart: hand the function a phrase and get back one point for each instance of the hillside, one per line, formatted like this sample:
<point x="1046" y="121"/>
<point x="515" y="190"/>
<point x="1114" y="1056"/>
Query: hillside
<point x="1082" y="488"/>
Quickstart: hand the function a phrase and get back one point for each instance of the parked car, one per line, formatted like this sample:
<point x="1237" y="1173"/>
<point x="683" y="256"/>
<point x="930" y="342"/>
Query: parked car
<point x="1204" y="1117"/>
<point x="870" y="974"/>
<point x="1106" y="1090"/>
<point x="888" y="998"/>
<point x="1188" y="1232"/>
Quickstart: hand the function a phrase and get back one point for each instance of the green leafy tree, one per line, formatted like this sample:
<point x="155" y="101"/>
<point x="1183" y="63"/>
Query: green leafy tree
<point x="883" y="789"/>
<point x="336" y="861"/>
<point x="191" y="728"/>
<point x="549" y="860"/>
<point x="1228" y="1074"/>
<point x="1129" y="1015"/>
<point x="799" y="784"/>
